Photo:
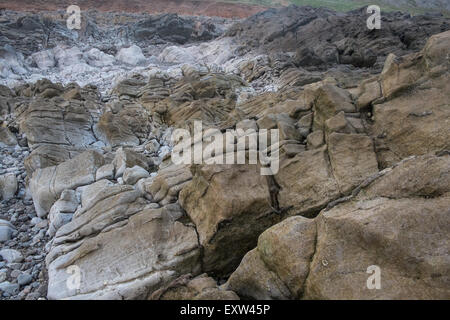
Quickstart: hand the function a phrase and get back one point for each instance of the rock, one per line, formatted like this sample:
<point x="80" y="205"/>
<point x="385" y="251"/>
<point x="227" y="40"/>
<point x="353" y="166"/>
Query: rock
<point x="230" y="206"/>
<point x="67" y="56"/>
<point x="105" y="172"/>
<point x="59" y="122"/>
<point x="174" y="54"/>
<point x="329" y="257"/>
<point x="11" y="255"/>
<point x="134" y="174"/>
<point x="98" y="58"/>
<point x="279" y="266"/>
<point x="166" y="186"/>
<point x="201" y="287"/>
<point x="62" y="211"/>
<point x="49" y="155"/>
<point x="8" y="186"/>
<point x="330" y="101"/>
<point x="359" y="230"/>
<point x="24" y="279"/>
<point x="411" y="124"/>
<point x="315" y="140"/>
<point x="44" y="59"/>
<point x="292" y="149"/>
<point x="304" y="125"/>
<point x="154" y="245"/>
<point x="7" y="138"/>
<point x="71" y="174"/>
<point x="370" y="90"/>
<point x="126" y="158"/>
<point x="152" y="146"/>
<point x="352" y="158"/>
<point x="132" y="55"/>
<point x="124" y="128"/>
<point x="6" y="230"/>
<point x="174" y="28"/>
<point x="307" y="182"/>
<point x="339" y="124"/>
<point x="9" y="289"/>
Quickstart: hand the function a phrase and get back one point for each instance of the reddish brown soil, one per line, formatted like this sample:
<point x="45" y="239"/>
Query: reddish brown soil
<point x="182" y="7"/>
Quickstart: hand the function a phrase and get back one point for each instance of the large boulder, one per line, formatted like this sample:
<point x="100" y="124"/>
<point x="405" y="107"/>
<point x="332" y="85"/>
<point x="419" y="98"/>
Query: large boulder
<point x="124" y="248"/>
<point x="396" y="222"/>
<point x="6" y="230"/>
<point x="46" y="185"/>
<point x="230" y="206"/>
<point x="8" y="186"/>
<point x="279" y="266"/>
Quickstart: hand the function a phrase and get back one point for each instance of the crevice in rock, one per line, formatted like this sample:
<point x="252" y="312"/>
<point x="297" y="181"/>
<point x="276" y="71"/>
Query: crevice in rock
<point x="311" y="259"/>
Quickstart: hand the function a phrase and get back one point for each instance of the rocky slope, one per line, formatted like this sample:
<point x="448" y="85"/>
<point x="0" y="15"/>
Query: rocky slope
<point x="224" y="9"/>
<point x="87" y="180"/>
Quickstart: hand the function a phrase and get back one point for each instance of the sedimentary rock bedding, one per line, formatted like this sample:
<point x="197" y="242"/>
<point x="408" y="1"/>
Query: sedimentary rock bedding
<point x="93" y="205"/>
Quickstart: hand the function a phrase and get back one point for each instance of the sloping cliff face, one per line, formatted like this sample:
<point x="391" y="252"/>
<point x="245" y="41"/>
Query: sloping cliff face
<point x="94" y="207"/>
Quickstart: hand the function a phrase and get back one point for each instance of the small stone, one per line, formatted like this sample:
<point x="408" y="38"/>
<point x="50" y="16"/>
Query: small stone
<point x="24" y="279"/>
<point x="11" y="255"/>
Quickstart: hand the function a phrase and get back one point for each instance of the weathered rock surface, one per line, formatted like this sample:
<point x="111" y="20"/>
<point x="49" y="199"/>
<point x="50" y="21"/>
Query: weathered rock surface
<point x="362" y="178"/>
<point x="8" y="186"/>
<point x="230" y="206"/>
<point x="327" y="258"/>
<point x="158" y="248"/>
<point x="47" y="184"/>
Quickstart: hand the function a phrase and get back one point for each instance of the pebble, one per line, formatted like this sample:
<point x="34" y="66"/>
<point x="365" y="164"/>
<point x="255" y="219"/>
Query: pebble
<point x="24" y="279"/>
<point x="9" y="289"/>
<point x="11" y="255"/>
